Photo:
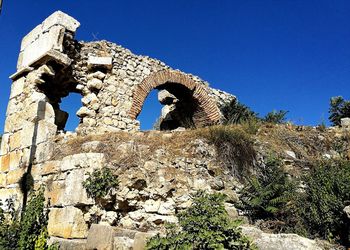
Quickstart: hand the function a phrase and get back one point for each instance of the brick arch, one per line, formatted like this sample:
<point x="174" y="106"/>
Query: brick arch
<point x="208" y="112"/>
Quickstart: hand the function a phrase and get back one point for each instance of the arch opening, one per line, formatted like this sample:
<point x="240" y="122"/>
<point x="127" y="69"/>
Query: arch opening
<point x="186" y="101"/>
<point x="149" y="115"/>
<point x="179" y="106"/>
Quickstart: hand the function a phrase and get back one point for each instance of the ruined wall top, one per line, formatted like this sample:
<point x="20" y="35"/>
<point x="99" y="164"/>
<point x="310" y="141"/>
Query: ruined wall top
<point x="112" y="81"/>
<point x="113" y="84"/>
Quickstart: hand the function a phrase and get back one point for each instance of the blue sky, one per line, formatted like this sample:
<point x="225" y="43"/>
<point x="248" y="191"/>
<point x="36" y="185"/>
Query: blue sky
<point x="272" y="54"/>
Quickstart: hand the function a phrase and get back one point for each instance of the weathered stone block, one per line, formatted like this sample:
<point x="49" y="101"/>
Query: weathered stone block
<point x="31" y="36"/>
<point x="12" y="107"/>
<point x="15" y="159"/>
<point x="105" y="62"/>
<point x="32" y="134"/>
<point x="15" y="140"/>
<point x="54" y="190"/>
<point x="84" y="160"/>
<point x="65" y="244"/>
<point x="52" y="39"/>
<point x="14" y="176"/>
<point x="345" y="122"/>
<point x="14" y="122"/>
<point x="100" y="237"/>
<point x="40" y="111"/>
<point x="43" y="152"/>
<point x="141" y="239"/>
<point x="5" y="163"/>
<point x="2" y="180"/>
<point x="11" y="193"/>
<point x="74" y="193"/>
<point x="50" y="167"/>
<point x="60" y="18"/>
<point x="45" y="131"/>
<point x="4" y="149"/>
<point x="122" y="243"/>
<point x="67" y="223"/>
<point x="17" y="87"/>
<point x="266" y="241"/>
<point x="45" y="37"/>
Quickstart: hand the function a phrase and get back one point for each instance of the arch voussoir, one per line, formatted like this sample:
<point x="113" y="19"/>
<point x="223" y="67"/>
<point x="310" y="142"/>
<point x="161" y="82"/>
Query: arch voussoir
<point x="208" y="111"/>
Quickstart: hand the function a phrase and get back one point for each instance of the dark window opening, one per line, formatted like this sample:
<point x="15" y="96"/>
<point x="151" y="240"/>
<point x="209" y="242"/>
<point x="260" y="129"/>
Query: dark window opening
<point x="178" y="110"/>
<point x="63" y="96"/>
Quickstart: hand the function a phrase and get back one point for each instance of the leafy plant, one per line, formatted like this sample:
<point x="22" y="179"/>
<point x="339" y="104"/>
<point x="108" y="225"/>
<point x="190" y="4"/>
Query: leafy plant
<point x="236" y="112"/>
<point x="327" y="192"/>
<point x="339" y="108"/>
<point x="276" y="117"/>
<point x="234" y="148"/>
<point x="100" y="182"/>
<point x="9" y="226"/>
<point x="205" y="225"/>
<point x="270" y="194"/>
<point x="27" y="232"/>
<point x="33" y="221"/>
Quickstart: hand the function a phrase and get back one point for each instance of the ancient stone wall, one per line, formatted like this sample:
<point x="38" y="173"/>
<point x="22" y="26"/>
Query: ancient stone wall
<point x="113" y="84"/>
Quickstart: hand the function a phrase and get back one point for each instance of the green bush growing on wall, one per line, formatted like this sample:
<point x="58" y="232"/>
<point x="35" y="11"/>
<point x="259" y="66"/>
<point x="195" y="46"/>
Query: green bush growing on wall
<point x="269" y="194"/>
<point x="236" y="113"/>
<point x="100" y="182"/>
<point x="327" y="192"/>
<point x="204" y="225"/>
<point x="276" y="117"/>
<point x="27" y="232"/>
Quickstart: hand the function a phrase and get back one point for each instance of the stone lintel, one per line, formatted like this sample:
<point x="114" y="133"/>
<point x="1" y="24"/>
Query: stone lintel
<point x="95" y="61"/>
<point x="20" y="72"/>
<point x="51" y="55"/>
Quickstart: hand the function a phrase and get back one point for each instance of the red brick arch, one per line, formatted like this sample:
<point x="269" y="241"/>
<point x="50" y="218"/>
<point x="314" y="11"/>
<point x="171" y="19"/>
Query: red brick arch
<point x="208" y="111"/>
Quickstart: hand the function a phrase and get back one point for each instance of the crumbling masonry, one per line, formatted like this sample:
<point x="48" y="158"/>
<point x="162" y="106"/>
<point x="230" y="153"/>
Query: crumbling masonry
<point x="113" y="83"/>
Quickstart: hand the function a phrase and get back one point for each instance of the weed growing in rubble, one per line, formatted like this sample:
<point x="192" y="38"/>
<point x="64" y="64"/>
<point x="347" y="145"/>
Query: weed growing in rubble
<point x="100" y="182"/>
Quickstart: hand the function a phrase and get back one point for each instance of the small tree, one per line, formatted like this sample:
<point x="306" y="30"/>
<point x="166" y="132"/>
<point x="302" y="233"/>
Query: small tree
<point x="339" y="108"/>
<point x="236" y="112"/>
<point x="268" y="195"/>
<point x="276" y="117"/>
<point x="205" y="225"/>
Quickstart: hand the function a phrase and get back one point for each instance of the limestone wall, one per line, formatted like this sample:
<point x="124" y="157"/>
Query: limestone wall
<point x="113" y="83"/>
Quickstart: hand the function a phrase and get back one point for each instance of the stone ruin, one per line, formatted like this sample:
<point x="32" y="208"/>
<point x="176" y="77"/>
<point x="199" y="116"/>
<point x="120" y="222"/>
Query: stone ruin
<point x="113" y="84"/>
<point x="112" y="81"/>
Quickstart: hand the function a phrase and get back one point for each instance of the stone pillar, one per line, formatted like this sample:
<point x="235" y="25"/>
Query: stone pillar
<point x="30" y="118"/>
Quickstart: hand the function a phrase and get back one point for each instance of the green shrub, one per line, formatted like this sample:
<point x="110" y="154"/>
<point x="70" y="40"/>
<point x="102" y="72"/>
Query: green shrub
<point x="313" y="209"/>
<point x="9" y="226"/>
<point x="327" y="192"/>
<point x="205" y="225"/>
<point x="234" y="148"/>
<point x="339" y="108"/>
<point x="100" y="182"/>
<point x="236" y="112"/>
<point x="25" y="232"/>
<point x="270" y="194"/>
<point x="276" y="117"/>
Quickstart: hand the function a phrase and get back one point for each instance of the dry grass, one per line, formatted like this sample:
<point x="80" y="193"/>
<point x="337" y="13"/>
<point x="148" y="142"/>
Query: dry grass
<point x="131" y="149"/>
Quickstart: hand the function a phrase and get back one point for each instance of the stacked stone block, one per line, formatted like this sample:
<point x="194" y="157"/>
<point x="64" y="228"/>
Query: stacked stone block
<point x="113" y="84"/>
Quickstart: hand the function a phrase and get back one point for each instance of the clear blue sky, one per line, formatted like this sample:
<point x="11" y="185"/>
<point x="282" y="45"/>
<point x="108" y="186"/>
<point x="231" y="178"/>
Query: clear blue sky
<point x="292" y="55"/>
